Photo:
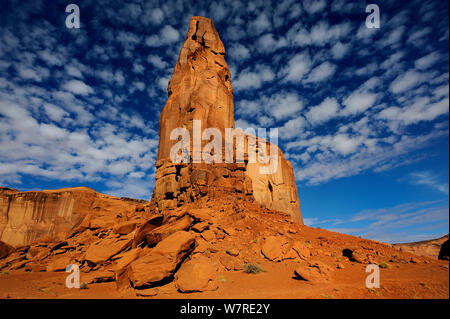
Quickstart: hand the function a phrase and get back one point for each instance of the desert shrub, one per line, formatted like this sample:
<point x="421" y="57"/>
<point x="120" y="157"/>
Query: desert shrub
<point x="83" y="285"/>
<point x="250" y="268"/>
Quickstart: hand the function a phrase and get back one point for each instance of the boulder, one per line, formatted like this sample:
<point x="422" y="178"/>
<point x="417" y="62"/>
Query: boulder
<point x="5" y="250"/>
<point x="309" y="274"/>
<point x="272" y="248"/>
<point x="230" y="263"/>
<point x="209" y="236"/>
<point x="100" y="276"/>
<point x="37" y="253"/>
<point x="152" y="223"/>
<point x="158" y="234"/>
<point x="301" y="250"/>
<point x="124" y="228"/>
<point x="199" y="227"/>
<point x="59" y="264"/>
<point x="196" y="275"/>
<point x="161" y="262"/>
<point x="233" y="252"/>
<point x="35" y="267"/>
<point x="127" y="259"/>
<point x="359" y="257"/>
<point x="104" y="249"/>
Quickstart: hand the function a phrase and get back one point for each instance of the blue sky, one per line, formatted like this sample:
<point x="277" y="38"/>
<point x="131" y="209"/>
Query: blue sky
<point x="362" y="113"/>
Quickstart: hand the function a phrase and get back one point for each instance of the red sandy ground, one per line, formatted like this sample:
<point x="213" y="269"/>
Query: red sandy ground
<point x="429" y="278"/>
<point x="409" y="281"/>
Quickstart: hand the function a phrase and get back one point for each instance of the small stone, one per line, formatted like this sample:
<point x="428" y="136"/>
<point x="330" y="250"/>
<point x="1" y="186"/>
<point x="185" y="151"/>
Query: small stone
<point x="233" y="252"/>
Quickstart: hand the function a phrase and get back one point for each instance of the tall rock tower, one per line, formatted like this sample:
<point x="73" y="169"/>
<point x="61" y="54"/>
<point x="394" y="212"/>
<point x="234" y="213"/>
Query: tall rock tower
<point x="200" y="92"/>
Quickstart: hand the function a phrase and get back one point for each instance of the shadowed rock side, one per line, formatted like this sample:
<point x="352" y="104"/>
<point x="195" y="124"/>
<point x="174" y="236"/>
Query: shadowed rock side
<point x="200" y="89"/>
<point x="444" y="251"/>
<point x="430" y="248"/>
<point x="27" y="216"/>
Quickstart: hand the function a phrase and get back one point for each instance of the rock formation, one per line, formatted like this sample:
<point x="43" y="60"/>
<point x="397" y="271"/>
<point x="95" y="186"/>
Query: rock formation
<point x="27" y="216"/>
<point x="430" y="248"/>
<point x="444" y="252"/>
<point x="200" y="90"/>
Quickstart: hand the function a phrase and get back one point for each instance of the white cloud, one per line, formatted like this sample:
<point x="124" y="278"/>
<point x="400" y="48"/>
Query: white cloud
<point x="429" y="179"/>
<point x="253" y="79"/>
<point x="283" y="105"/>
<point x="153" y="16"/>
<point x="340" y="50"/>
<point x="420" y="109"/>
<point x="388" y="224"/>
<point x="55" y="113"/>
<point x="293" y="128"/>
<point x="358" y="102"/>
<point x="218" y="11"/>
<point x="167" y="35"/>
<point x="77" y="87"/>
<point x="323" y="112"/>
<point x="163" y="83"/>
<point x="157" y="62"/>
<point x="392" y="60"/>
<point x="267" y="43"/>
<point x="280" y="106"/>
<point x="416" y="36"/>
<point x="326" y="165"/>
<point x="297" y="67"/>
<point x="238" y="52"/>
<point x="313" y="7"/>
<point x="320" y="34"/>
<point x="259" y="25"/>
<point x="406" y="81"/>
<point x="427" y="61"/>
<point x="344" y="144"/>
<point x="321" y="72"/>
<point x="394" y="37"/>
<point x="37" y="74"/>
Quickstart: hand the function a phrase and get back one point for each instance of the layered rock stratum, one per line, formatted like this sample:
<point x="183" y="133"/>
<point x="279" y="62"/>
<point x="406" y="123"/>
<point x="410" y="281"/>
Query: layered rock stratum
<point x="435" y="248"/>
<point x="53" y="214"/>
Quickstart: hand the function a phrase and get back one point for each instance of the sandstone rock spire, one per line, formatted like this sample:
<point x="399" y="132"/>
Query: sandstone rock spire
<point x="200" y="90"/>
<point x="200" y="87"/>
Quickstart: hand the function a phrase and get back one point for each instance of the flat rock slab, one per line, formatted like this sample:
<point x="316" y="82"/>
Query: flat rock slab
<point x="104" y="249"/>
<point x="197" y="275"/>
<point x="162" y="260"/>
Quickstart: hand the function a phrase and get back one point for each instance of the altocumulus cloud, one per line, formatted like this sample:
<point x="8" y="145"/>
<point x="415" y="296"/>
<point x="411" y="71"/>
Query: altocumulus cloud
<point x="82" y="106"/>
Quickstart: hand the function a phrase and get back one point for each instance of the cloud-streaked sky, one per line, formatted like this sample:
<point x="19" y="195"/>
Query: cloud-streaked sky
<point x="362" y="113"/>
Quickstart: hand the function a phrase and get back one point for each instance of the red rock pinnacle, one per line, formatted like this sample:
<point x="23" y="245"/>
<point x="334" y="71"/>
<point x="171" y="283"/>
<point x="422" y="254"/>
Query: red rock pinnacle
<point x="200" y="90"/>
